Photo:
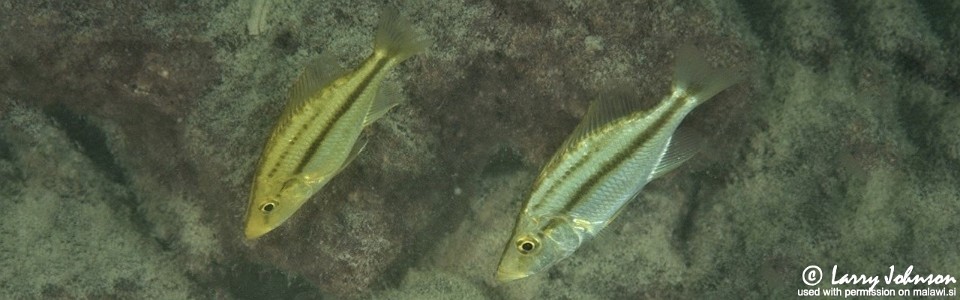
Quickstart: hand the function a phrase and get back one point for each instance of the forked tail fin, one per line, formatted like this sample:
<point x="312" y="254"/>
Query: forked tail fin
<point x="694" y="75"/>
<point x="397" y="38"/>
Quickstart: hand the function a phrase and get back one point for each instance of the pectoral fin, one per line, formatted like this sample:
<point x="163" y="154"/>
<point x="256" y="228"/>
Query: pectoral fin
<point x="307" y="179"/>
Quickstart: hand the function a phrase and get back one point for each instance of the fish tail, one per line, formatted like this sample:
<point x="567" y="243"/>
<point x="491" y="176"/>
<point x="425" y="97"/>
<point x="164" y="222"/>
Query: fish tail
<point x="694" y="75"/>
<point x="396" y="37"/>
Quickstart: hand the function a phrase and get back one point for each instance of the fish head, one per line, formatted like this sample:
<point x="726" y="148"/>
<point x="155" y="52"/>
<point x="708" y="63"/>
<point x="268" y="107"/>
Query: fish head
<point x="264" y="215"/>
<point x="267" y="211"/>
<point x="536" y="246"/>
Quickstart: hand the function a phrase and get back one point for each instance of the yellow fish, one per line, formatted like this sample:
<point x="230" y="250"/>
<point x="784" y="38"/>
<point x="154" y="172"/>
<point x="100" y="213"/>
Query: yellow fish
<point x="615" y="150"/>
<point x="316" y="136"/>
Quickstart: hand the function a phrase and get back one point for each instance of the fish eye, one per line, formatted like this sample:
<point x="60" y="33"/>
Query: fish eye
<point x="526" y="245"/>
<point x="268" y="207"/>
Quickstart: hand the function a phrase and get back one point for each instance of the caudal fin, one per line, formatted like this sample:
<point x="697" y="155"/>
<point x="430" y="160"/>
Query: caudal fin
<point x="694" y="75"/>
<point x="397" y="38"/>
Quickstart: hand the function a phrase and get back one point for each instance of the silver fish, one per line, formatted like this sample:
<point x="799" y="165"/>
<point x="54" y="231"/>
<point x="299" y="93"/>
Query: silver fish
<point x="615" y="150"/>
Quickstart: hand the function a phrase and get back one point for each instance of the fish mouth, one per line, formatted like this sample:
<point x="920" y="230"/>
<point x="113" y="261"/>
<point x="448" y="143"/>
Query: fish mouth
<point x="503" y="276"/>
<point x="255" y="232"/>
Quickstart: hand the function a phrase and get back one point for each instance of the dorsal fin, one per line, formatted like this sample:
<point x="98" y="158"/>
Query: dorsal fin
<point x="317" y="74"/>
<point x="609" y="106"/>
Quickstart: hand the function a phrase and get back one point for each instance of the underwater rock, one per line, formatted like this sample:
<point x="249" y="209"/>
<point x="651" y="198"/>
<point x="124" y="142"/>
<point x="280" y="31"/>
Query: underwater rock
<point x="69" y="230"/>
<point x="433" y="285"/>
<point x="117" y="90"/>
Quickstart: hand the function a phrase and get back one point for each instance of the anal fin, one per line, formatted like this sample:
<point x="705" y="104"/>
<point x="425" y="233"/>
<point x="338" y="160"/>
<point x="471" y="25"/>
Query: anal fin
<point x="357" y="148"/>
<point x="683" y="145"/>
<point x="387" y="98"/>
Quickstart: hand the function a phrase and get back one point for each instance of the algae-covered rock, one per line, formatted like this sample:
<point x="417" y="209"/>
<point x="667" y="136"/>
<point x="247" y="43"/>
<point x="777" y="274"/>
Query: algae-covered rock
<point x="68" y="230"/>
<point x="433" y="285"/>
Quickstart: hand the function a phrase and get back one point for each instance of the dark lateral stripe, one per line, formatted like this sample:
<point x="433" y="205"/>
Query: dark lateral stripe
<point x="550" y="226"/>
<point x="283" y="155"/>
<point x="336" y="117"/>
<point x="609" y="165"/>
<point x="558" y="182"/>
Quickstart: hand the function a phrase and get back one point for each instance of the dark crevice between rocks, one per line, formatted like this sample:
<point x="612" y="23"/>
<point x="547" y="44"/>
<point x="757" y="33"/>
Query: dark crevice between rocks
<point x="916" y="65"/>
<point x="5" y="153"/>
<point x="422" y="241"/>
<point x="761" y="16"/>
<point x="91" y="140"/>
<point x="92" y="143"/>
<point x="942" y="17"/>
<point x="246" y="280"/>
<point x="916" y="121"/>
<point x="287" y="41"/>
<point x="525" y="11"/>
<point x="11" y="179"/>
<point x="504" y="161"/>
<point x="920" y="121"/>
<point x="849" y="17"/>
